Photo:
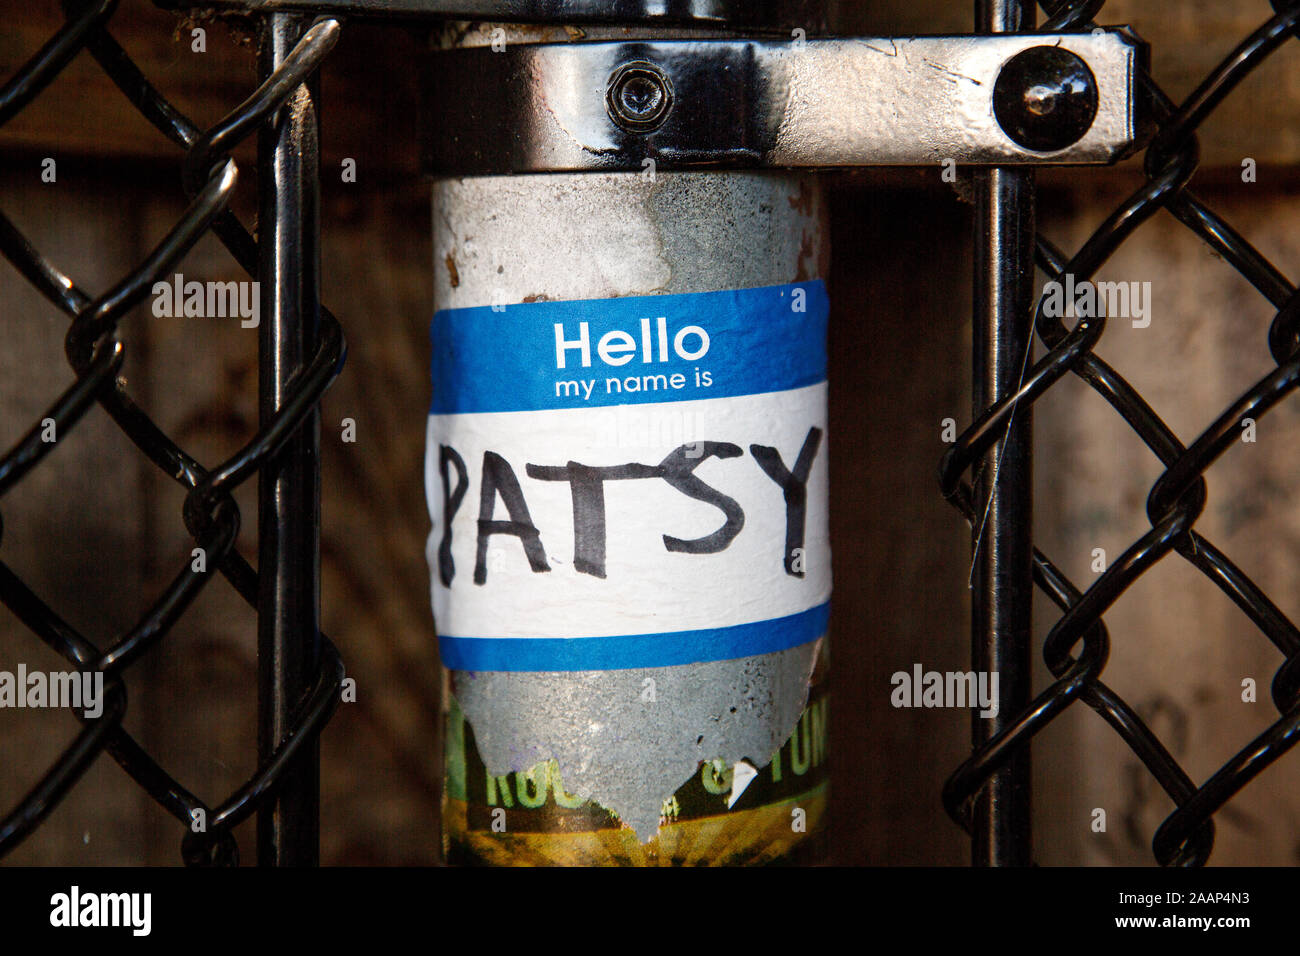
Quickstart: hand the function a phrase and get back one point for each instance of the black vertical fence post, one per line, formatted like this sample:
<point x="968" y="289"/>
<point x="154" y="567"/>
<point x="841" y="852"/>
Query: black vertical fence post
<point x="1001" y="575"/>
<point x="289" y="486"/>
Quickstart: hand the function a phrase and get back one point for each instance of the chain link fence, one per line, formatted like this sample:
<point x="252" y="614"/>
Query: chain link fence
<point x="1178" y="497"/>
<point x="210" y="514"/>
<point x="95" y="354"/>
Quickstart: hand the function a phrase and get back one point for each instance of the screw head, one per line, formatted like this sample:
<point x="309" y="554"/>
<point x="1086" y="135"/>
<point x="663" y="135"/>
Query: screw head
<point x="1045" y="98"/>
<point x="639" y="96"/>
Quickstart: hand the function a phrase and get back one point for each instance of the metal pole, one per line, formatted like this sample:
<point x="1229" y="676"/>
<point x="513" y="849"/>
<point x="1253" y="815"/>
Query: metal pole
<point x="654" y="744"/>
<point x="289" y="486"/>
<point x="1001" y="575"/>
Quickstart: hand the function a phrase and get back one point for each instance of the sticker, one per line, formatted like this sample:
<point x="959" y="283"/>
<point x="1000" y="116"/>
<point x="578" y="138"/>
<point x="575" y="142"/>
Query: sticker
<point x="631" y="482"/>
<point x="745" y="814"/>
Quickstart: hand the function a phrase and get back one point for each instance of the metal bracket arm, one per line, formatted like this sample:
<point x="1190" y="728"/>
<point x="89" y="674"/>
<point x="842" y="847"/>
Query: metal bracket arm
<point x="760" y="15"/>
<point x="973" y="100"/>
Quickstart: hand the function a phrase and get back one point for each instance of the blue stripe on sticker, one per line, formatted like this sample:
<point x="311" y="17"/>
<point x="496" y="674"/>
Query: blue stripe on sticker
<point x="633" y="650"/>
<point x="642" y="349"/>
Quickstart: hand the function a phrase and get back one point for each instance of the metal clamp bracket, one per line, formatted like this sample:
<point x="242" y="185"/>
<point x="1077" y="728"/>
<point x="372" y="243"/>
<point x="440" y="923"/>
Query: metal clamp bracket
<point x="760" y="15"/>
<point x="690" y="104"/>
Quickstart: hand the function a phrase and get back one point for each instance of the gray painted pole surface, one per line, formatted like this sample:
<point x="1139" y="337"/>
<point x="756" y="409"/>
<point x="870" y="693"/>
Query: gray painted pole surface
<point x="717" y="760"/>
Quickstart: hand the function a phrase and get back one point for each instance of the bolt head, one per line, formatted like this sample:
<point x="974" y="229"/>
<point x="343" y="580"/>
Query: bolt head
<point x="1045" y="98"/>
<point x="639" y="96"/>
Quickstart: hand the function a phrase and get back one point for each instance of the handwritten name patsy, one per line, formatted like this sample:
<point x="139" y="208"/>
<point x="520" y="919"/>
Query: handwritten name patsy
<point x="498" y="480"/>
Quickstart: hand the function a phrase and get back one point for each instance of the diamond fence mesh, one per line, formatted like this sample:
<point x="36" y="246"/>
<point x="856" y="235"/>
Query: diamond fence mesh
<point x="1178" y="497"/>
<point x="95" y="354"/>
<point x="210" y="514"/>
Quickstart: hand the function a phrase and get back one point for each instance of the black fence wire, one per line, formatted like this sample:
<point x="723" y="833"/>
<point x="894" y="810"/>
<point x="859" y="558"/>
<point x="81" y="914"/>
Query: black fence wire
<point x="210" y="514"/>
<point x="211" y="517"/>
<point x="1178" y="497"/>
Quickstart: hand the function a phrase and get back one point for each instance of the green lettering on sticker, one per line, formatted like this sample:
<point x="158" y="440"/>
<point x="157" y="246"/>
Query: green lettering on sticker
<point x="566" y="800"/>
<point x="716" y="777"/>
<point x="799" y="756"/>
<point x="818" y="712"/>
<point x="504" y="784"/>
<point x="533" y="785"/>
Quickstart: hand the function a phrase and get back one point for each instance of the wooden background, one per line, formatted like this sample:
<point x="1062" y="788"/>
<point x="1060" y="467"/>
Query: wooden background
<point x="96" y="530"/>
